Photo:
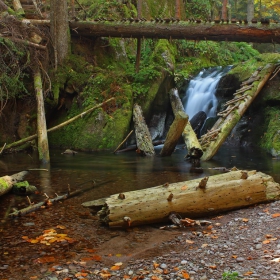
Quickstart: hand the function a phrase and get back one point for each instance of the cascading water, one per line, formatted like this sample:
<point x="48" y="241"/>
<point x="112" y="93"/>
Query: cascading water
<point x="200" y="94"/>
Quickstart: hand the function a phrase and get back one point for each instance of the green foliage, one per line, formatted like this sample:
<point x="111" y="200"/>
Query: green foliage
<point x="14" y="61"/>
<point x="113" y="9"/>
<point x="230" y="275"/>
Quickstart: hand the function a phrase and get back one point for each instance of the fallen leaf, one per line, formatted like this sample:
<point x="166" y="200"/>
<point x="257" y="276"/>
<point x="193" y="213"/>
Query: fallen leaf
<point x="213" y="266"/>
<point x="266" y="241"/>
<point x="275" y="215"/>
<point x="119" y="263"/>
<point x="185" y="274"/>
<point x="115" y="267"/>
<point x="79" y="274"/>
<point x="96" y="258"/>
<point x="276" y="260"/>
<point x="189" y="241"/>
<point x="234" y="256"/>
<point x="91" y="250"/>
<point x="268" y="236"/>
<point x="245" y="220"/>
<point x="48" y="259"/>
<point x="60" y="227"/>
<point x="204" y="245"/>
<point x="248" y="273"/>
<point x="155" y="265"/>
<point x="184" y="187"/>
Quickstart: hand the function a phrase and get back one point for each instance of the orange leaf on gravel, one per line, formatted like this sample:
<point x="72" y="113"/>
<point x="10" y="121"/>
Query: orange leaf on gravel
<point x="115" y="267"/>
<point x="266" y="241"/>
<point x="96" y="258"/>
<point x="275" y="215"/>
<point x="48" y="259"/>
<point x="189" y="241"/>
<point x="248" y="273"/>
<point x="155" y="265"/>
<point x="245" y="220"/>
<point x="185" y="274"/>
<point x="184" y="187"/>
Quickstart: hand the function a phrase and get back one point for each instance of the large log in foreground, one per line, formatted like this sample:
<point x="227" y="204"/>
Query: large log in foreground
<point x="195" y="198"/>
<point x="237" y="32"/>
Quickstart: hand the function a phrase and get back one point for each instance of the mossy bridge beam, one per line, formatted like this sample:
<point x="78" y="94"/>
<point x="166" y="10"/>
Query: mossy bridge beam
<point x="238" y="32"/>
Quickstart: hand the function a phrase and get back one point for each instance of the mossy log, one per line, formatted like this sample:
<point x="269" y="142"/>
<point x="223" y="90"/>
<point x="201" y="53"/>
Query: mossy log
<point x="143" y="136"/>
<point x="191" y="141"/>
<point x="214" y="138"/>
<point x="7" y="182"/>
<point x="175" y="132"/>
<point x="195" y="198"/>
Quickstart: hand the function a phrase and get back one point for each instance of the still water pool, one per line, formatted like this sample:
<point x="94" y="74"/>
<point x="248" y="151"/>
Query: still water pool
<point x="128" y="171"/>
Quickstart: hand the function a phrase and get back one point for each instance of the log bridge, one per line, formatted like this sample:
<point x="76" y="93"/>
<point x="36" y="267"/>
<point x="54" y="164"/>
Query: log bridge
<point x="166" y="29"/>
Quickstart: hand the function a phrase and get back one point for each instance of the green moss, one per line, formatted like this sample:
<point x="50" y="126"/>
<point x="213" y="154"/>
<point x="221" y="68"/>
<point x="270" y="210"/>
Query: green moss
<point x="271" y="138"/>
<point x="245" y="70"/>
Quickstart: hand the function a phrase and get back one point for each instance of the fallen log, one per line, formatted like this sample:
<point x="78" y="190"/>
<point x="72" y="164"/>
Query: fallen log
<point x="143" y="136"/>
<point x="191" y="141"/>
<point x="7" y="182"/>
<point x="195" y="198"/>
<point x="175" y="132"/>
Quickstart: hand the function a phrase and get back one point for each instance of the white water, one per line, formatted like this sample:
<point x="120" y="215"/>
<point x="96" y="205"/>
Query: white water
<point x="200" y="94"/>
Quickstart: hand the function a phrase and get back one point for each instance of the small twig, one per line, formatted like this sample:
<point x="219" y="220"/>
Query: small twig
<point x="30" y="203"/>
<point x="226" y="112"/>
<point x="235" y="100"/>
<point x="2" y="149"/>
<point x="277" y="71"/>
<point x="243" y="89"/>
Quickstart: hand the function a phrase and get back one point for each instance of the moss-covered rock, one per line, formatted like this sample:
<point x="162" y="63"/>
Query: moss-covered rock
<point x="271" y="138"/>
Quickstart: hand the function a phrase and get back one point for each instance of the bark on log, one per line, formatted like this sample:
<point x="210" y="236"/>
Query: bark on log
<point x="43" y="144"/>
<point x="7" y="182"/>
<point x="32" y="137"/>
<point x="191" y="141"/>
<point x="213" y="139"/>
<point x="180" y="30"/>
<point x="174" y="133"/>
<point x="222" y="192"/>
<point x="143" y="137"/>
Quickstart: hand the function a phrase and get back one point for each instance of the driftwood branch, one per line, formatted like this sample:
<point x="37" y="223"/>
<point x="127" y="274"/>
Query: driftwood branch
<point x="49" y="201"/>
<point x="123" y="141"/>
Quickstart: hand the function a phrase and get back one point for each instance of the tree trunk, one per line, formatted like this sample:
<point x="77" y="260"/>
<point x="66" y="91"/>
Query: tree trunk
<point x="143" y="137"/>
<point x="7" y="182"/>
<point x="43" y="145"/>
<point x="183" y="30"/>
<point x="192" y="199"/>
<point x="250" y="10"/>
<point x="193" y="145"/>
<point x="178" y="9"/>
<point x="224" y="10"/>
<point x="174" y="133"/>
<point x="213" y="139"/>
<point x="59" y="30"/>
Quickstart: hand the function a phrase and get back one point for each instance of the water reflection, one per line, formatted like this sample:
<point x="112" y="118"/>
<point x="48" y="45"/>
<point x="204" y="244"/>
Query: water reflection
<point x="128" y="171"/>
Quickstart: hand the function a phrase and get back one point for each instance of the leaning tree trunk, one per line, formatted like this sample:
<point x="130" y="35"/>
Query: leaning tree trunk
<point x="174" y="133"/>
<point x="193" y="145"/>
<point x="195" y="198"/>
<point x="214" y="138"/>
<point x="7" y="182"/>
<point x="43" y="145"/>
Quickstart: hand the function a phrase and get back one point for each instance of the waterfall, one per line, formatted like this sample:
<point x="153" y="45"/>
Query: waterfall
<point x="200" y="94"/>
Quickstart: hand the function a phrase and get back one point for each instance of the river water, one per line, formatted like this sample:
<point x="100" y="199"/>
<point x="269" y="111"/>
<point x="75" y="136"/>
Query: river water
<point x="126" y="171"/>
